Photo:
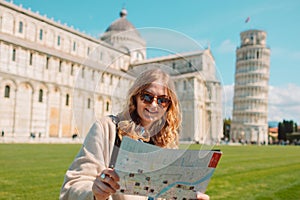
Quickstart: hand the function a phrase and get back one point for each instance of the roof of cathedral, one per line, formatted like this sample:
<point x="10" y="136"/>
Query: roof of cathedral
<point x="121" y="24"/>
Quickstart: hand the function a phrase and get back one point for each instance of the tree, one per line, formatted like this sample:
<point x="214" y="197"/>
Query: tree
<point x="226" y="128"/>
<point x="286" y="127"/>
<point x="281" y="131"/>
<point x="289" y="126"/>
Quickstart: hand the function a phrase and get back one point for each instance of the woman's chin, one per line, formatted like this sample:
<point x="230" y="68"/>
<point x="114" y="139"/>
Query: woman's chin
<point x="148" y="120"/>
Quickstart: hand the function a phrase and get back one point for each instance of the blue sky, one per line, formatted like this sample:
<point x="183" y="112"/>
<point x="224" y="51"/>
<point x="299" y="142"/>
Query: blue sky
<point x="216" y="23"/>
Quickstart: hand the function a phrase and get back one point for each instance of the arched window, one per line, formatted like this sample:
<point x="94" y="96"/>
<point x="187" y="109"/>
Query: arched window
<point x="41" y="34"/>
<point x="58" y="40"/>
<point x="30" y="58"/>
<point x="41" y="95"/>
<point x="74" y="46"/>
<point x="47" y="62"/>
<point x="20" y="27"/>
<point x="72" y="70"/>
<point x="89" y="103"/>
<point x="67" y="99"/>
<point x="60" y="66"/>
<point x="82" y="73"/>
<point x="107" y="106"/>
<point x="14" y="55"/>
<point x="139" y="56"/>
<point x="7" y="91"/>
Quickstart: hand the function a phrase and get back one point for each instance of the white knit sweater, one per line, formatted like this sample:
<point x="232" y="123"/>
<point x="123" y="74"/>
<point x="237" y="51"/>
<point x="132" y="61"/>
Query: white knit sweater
<point x="93" y="157"/>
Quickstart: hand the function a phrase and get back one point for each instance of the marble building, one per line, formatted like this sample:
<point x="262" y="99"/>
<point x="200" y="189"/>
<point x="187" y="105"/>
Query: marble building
<point x="55" y="80"/>
<point x="250" y="107"/>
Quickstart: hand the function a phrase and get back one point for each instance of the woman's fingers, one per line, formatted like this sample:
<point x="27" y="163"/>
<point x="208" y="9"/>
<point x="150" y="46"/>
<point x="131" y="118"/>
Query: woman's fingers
<point x="100" y="190"/>
<point x="202" y="196"/>
<point x="110" y="177"/>
<point x="109" y="181"/>
<point x="112" y="174"/>
<point x="105" y="184"/>
<point x="104" y="187"/>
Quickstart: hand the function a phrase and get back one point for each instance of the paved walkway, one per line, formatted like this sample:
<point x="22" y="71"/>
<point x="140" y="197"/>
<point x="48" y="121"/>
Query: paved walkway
<point x="40" y="140"/>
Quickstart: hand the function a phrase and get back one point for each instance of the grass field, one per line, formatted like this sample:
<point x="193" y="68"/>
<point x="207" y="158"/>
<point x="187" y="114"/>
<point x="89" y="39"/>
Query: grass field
<point x="36" y="171"/>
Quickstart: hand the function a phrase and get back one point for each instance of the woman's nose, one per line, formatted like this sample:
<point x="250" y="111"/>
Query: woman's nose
<point x="154" y="102"/>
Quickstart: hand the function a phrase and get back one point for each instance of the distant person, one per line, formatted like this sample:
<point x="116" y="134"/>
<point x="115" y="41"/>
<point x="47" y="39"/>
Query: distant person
<point x="74" y="136"/>
<point x="2" y="133"/>
<point x="32" y="135"/>
<point x="151" y="114"/>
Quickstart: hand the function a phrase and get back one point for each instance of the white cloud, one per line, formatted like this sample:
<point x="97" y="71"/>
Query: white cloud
<point x="284" y="102"/>
<point x="287" y="54"/>
<point x="296" y="55"/>
<point x="227" y="46"/>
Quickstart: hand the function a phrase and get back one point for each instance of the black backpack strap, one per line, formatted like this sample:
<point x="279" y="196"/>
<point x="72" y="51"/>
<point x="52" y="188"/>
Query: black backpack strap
<point x="117" y="143"/>
<point x="115" y="119"/>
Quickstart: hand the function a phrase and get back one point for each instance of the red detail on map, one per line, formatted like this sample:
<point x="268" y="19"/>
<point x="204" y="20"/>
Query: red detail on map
<point x="214" y="160"/>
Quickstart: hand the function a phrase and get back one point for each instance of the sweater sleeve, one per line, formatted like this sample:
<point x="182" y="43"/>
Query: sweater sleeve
<point x="92" y="158"/>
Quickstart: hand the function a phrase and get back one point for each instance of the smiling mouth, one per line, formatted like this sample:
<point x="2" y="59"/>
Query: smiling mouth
<point x="151" y="112"/>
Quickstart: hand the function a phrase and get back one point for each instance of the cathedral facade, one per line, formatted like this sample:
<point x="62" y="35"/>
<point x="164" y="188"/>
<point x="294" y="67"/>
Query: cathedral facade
<point x="55" y="81"/>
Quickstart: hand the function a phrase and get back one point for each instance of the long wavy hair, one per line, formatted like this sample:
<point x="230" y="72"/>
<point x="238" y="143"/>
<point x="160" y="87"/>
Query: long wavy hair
<point x="166" y="129"/>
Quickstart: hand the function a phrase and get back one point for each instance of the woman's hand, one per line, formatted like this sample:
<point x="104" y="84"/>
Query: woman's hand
<point x="105" y="184"/>
<point x="202" y="196"/>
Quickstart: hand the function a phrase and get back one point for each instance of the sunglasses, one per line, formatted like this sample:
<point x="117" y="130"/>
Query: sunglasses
<point x="161" y="100"/>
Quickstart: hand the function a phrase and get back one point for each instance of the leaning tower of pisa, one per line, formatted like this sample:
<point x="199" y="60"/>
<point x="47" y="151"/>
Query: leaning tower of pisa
<point x="250" y="104"/>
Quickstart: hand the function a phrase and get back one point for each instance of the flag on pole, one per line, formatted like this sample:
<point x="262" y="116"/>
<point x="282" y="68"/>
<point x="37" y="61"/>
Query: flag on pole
<point x="247" y="20"/>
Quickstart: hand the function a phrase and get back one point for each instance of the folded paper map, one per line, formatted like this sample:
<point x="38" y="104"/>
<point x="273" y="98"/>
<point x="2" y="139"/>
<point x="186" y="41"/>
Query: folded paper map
<point x="148" y="170"/>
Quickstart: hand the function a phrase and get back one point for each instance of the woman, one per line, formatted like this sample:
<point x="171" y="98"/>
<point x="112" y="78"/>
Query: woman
<point x="151" y="114"/>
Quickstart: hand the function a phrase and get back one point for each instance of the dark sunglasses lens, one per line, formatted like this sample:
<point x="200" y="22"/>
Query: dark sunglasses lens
<point x="148" y="98"/>
<point x="163" y="101"/>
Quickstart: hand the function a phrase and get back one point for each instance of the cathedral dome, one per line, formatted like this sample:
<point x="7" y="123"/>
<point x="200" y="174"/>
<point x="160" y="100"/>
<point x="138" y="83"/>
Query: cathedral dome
<point x="122" y="24"/>
<point x="122" y="35"/>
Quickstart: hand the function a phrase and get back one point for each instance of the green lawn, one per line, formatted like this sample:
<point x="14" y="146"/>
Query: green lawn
<point x="36" y="171"/>
<point x="257" y="172"/>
